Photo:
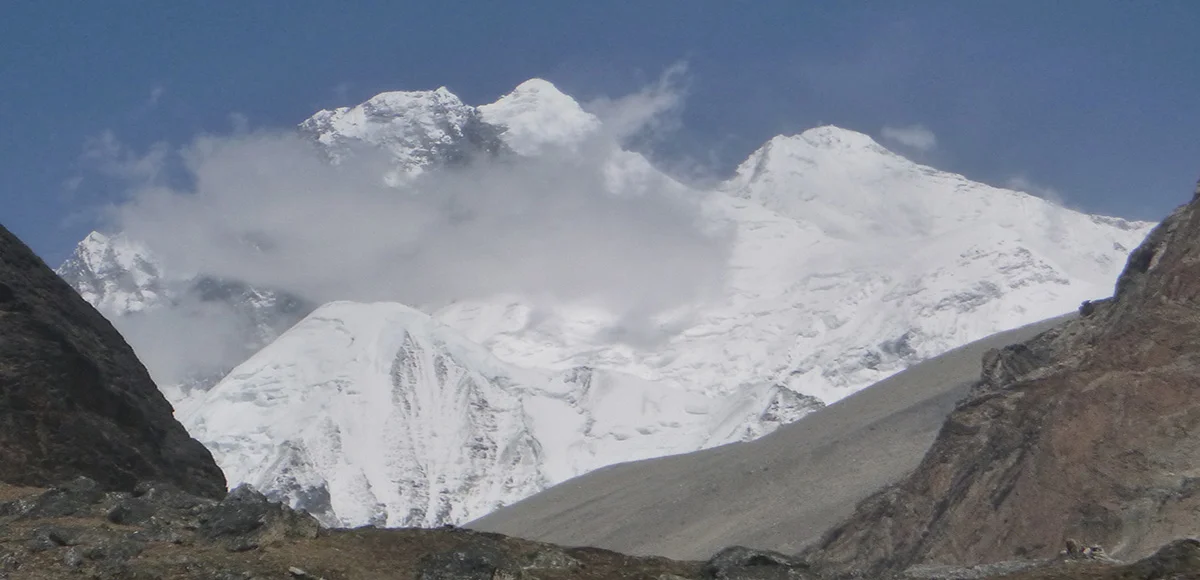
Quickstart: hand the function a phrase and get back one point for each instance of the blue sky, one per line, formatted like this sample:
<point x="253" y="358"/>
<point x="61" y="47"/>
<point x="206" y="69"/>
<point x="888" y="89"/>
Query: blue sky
<point x="1097" y="102"/>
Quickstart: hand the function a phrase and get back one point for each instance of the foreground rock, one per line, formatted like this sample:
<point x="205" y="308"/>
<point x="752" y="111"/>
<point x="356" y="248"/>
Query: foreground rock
<point x="159" y="531"/>
<point x="1089" y="431"/>
<point x="74" y="400"/>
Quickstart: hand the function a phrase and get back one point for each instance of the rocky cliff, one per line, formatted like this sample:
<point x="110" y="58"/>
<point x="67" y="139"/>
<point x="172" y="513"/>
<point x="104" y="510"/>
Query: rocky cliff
<point x="1090" y="431"/>
<point x="74" y="400"/>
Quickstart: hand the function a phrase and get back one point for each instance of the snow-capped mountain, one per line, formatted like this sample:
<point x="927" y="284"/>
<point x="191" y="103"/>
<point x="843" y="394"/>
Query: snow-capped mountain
<point x="419" y="129"/>
<point x="378" y="414"/>
<point x="125" y="281"/>
<point x="114" y="274"/>
<point x="536" y="115"/>
<point x="373" y="413"/>
<point x="848" y="263"/>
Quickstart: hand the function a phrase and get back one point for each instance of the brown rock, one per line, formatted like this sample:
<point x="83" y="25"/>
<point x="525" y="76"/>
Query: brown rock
<point x="74" y="400"/>
<point x="1090" y="430"/>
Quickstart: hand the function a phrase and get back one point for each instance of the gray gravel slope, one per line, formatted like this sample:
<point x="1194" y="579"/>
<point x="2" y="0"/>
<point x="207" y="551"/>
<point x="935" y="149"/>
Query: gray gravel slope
<point x="779" y="492"/>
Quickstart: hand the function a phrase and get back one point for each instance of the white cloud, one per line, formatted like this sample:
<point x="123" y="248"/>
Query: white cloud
<point x="156" y="94"/>
<point x="267" y="209"/>
<point x="1023" y="183"/>
<point x="1055" y="226"/>
<point x="341" y="92"/>
<point x="915" y="136"/>
<point x="651" y="111"/>
<point x="105" y="154"/>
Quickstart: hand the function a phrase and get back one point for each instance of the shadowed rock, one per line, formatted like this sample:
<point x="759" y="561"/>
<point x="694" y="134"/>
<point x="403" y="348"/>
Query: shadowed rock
<point x="741" y="563"/>
<point x="74" y="399"/>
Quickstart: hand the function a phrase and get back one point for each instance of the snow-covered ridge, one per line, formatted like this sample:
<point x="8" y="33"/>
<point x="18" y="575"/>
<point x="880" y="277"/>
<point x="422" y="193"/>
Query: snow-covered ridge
<point x="849" y="263"/>
<point x="536" y="115"/>
<point x="114" y="274"/>
<point x="418" y="129"/>
<point x="377" y="414"/>
<point x="372" y="413"/>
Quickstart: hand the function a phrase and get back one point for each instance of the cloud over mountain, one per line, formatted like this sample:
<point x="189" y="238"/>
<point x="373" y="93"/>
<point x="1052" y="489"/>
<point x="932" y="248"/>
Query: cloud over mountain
<point x="917" y="137"/>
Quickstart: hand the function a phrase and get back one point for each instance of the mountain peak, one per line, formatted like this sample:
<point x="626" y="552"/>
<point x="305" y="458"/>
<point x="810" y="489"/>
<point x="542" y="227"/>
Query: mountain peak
<point x="411" y="107"/>
<point x="393" y="103"/>
<point x="92" y="249"/>
<point x="834" y="179"/>
<point x="95" y="238"/>
<point x="537" y="115"/>
<point x="113" y="273"/>
<point x="815" y="146"/>
<point x="834" y="137"/>
<point x="417" y="127"/>
<point x="336" y="386"/>
<point x="538" y="86"/>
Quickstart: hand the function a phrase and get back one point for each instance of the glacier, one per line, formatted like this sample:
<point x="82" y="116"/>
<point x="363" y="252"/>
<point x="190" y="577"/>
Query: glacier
<point x="371" y="414"/>
<point x="848" y="264"/>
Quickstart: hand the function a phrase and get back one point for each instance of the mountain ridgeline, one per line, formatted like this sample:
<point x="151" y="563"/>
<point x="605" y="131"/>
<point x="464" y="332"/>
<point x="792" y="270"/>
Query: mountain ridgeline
<point x="1084" y="430"/>
<point x="846" y="263"/>
<point x="1076" y="429"/>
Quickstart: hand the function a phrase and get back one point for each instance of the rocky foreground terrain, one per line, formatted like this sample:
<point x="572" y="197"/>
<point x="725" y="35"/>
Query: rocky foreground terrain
<point x="1086" y="430"/>
<point x="159" y="531"/>
<point x="77" y="530"/>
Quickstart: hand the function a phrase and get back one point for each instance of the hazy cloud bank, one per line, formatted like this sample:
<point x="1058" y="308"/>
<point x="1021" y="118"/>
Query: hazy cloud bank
<point x="591" y="225"/>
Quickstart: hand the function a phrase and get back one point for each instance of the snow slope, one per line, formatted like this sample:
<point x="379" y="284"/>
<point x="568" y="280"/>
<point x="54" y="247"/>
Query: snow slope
<point x="372" y="412"/>
<point x="536" y="116"/>
<point x="377" y="414"/>
<point x="849" y="263"/>
<point x="114" y="274"/>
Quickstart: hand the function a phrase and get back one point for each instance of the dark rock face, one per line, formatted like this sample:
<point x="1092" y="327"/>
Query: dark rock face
<point x="1179" y="559"/>
<point x="740" y="563"/>
<point x="246" y="517"/>
<point x="153" y="513"/>
<point x="1089" y="431"/>
<point x="74" y="400"/>
<point x="488" y="556"/>
<point x="480" y="140"/>
<point x="478" y="561"/>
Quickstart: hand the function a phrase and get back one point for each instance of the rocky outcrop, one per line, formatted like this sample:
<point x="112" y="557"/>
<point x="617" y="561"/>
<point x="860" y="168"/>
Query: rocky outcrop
<point x="74" y="400"/>
<point x="742" y="563"/>
<point x="159" y="531"/>
<point x="1090" y="430"/>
